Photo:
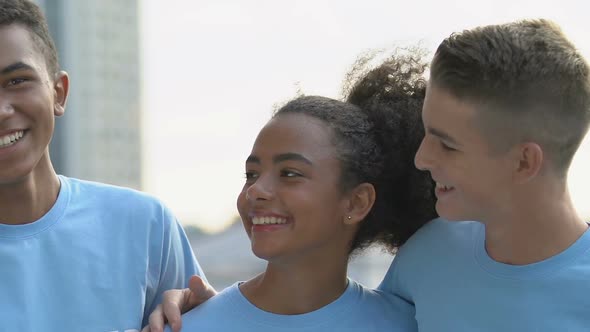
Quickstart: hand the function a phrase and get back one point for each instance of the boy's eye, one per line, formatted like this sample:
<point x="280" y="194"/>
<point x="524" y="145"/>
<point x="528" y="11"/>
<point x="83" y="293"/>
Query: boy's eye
<point x="446" y="147"/>
<point x="290" y="174"/>
<point x="16" y="81"/>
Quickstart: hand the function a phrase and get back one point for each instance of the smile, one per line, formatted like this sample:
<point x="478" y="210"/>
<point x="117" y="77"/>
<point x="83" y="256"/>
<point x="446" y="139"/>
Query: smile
<point x="8" y="140"/>
<point x="268" y="221"/>
<point x="443" y="187"/>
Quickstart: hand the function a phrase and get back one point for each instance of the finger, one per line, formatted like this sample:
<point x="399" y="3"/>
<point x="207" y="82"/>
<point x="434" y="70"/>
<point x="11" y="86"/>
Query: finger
<point x="200" y="291"/>
<point x="173" y="302"/>
<point x="156" y="321"/>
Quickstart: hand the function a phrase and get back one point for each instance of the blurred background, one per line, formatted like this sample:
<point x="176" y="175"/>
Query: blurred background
<point x="168" y="96"/>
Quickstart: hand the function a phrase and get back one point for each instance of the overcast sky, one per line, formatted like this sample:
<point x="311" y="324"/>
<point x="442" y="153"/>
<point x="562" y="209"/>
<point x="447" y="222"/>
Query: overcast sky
<point x="213" y="69"/>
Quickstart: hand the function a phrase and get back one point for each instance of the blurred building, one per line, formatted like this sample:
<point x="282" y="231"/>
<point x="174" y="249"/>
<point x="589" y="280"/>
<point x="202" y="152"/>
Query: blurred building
<point x="99" y="136"/>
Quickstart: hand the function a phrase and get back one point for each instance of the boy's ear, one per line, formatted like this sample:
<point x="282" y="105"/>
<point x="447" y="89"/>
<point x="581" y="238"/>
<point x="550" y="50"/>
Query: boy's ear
<point x="529" y="161"/>
<point x="361" y="200"/>
<point x="61" y="86"/>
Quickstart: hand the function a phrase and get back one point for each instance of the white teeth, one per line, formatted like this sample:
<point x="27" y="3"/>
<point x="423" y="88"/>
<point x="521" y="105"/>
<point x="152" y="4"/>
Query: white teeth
<point x="10" y="139"/>
<point x="268" y="221"/>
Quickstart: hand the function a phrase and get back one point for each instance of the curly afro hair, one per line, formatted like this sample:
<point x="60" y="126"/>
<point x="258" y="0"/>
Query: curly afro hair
<point x="376" y="132"/>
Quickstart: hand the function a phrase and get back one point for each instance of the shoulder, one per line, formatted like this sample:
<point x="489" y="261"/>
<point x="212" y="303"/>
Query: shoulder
<point x="90" y="194"/>
<point x="438" y="234"/>
<point x="99" y="190"/>
<point x="215" y="312"/>
<point x="437" y="245"/>
<point x="387" y="302"/>
<point x="386" y="309"/>
<point x="118" y="207"/>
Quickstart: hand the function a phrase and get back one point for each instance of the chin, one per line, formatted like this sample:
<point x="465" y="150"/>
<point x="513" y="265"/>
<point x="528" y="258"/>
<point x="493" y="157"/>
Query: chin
<point x="264" y="253"/>
<point x="450" y="214"/>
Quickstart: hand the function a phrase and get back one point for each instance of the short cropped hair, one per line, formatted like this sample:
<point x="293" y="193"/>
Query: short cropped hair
<point x="27" y="14"/>
<point x="527" y="81"/>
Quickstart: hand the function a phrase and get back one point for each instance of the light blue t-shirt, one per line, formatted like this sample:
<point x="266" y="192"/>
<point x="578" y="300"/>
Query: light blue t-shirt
<point x="357" y="309"/>
<point x="445" y="271"/>
<point x="99" y="260"/>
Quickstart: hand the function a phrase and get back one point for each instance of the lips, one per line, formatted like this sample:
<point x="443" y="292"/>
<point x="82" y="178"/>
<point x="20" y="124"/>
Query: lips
<point x="9" y="139"/>
<point x="268" y="222"/>
<point x="443" y="187"/>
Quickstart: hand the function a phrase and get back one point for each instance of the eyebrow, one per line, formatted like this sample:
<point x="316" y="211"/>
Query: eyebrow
<point x="281" y="157"/>
<point x="290" y="156"/>
<point x="14" y="67"/>
<point x="442" y="135"/>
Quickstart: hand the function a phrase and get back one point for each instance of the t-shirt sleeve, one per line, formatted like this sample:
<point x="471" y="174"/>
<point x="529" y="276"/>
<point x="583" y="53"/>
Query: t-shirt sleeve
<point x="174" y="264"/>
<point x="393" y="281"/>
<point x="410" y="266"/>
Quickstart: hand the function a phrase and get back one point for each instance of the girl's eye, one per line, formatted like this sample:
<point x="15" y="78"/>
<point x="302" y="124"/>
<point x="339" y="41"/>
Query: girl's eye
<point x="250" y="176"/>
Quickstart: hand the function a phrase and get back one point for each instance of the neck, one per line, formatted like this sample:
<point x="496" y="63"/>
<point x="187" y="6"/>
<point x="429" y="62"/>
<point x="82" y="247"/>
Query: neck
<point x="297" y="288"/>
<point x="539" y="224"/>
<point x="27" y="199"/>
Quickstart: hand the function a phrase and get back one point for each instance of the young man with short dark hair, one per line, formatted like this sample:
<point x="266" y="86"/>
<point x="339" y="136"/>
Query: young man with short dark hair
<point x="75" y="255"/>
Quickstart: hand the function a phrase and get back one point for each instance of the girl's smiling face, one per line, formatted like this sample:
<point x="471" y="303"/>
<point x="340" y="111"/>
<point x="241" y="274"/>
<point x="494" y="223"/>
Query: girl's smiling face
<point x="292" y="204"/>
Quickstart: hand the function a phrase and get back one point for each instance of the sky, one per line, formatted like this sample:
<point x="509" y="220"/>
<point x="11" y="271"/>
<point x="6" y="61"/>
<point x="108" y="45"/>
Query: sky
<point x="214" y="69"/>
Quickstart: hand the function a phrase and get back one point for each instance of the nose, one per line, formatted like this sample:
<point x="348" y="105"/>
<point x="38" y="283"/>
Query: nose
<point x="6" y="108"/>
<point x="424" y="158"/>
<point x="261" y="190"/>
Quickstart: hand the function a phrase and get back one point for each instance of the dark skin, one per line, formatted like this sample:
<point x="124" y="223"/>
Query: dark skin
<point x="293" y="178"/>
<point x="30" y="99"/>
<point x="379" y="97"/>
